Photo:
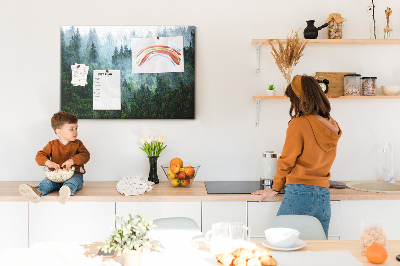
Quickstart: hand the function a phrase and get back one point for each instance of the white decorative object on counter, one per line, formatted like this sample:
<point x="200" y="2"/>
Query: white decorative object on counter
<point x="132" y="186"/>
<point x="60" y="175"/>
<point x="391" y="90"/>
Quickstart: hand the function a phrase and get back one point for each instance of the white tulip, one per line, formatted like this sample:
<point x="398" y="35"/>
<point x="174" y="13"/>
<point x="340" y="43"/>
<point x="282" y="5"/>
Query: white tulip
<point x="156" y="139"/>
<point x="151" y="138"/>
<point x="142" y="140"/>
<point x="148" y="140"/>
<point x="162" y="138"/>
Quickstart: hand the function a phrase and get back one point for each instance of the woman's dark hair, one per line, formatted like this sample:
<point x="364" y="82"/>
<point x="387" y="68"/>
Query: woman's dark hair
<point x="315" y="100"/>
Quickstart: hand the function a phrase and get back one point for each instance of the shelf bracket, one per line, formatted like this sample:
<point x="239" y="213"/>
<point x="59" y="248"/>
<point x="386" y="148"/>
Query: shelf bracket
<point x="258" y="57"/>
<point x="257" y="112"/>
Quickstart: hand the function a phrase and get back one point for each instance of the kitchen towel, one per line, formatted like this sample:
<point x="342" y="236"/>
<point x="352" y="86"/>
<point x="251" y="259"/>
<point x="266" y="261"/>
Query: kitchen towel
<point x="315" y="258"/>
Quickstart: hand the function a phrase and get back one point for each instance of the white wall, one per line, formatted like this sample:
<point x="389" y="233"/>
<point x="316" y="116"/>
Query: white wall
<point x="222" y="138"/>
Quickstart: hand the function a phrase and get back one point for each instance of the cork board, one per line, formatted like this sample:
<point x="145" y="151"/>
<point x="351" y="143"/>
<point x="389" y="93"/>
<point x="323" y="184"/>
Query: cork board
<point x="336" y="81"/>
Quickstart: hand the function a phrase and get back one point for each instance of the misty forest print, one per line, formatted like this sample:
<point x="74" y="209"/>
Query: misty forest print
<point x="156" y="82"/>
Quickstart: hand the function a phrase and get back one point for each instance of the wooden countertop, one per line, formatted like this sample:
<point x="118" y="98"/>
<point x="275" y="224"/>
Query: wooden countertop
<point x="105" y="191"/>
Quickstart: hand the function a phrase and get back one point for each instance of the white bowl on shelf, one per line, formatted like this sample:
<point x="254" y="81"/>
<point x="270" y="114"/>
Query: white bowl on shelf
<point x="391" y="90"/>
<point x="281" y="237"/>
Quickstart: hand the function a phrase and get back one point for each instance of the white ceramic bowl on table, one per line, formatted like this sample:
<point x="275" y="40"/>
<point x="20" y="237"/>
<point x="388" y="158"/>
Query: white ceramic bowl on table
<point x="391" y="90"/>
<point x="282" y="237"/>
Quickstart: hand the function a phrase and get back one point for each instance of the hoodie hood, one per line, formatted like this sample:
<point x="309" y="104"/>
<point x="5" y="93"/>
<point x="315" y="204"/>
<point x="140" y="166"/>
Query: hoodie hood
<point x="325" y="138"/>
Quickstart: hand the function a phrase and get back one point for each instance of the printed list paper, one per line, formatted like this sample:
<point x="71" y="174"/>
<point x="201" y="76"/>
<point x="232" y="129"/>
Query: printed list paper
<point x="106" y="90"/>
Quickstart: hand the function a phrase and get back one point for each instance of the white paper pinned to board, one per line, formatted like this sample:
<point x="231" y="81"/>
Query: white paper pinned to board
<point x="79" y="74"/>
<point x="106" y="90"/>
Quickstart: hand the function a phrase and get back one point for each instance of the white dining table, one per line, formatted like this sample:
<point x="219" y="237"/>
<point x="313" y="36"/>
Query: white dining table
<point x="347" y="252"/>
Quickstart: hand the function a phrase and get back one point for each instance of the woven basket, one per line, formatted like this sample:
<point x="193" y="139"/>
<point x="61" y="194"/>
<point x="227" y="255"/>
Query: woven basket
<point x="60" y="175"/>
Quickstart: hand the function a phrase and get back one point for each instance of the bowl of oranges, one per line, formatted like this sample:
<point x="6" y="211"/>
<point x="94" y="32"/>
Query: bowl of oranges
<point x="180" y="174"/>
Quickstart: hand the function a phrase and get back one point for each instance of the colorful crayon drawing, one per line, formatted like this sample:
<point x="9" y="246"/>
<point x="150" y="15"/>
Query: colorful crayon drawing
<point x="161" y="50"/>
<point x="157" y="54"/>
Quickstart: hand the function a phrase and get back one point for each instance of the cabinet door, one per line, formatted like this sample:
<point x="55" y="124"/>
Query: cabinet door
<point x="260" y="216"/>
<point x="154" y="210"/>
<point x="72" y="222"/>
<point x="218" y="211"/>
<point x="353" y="212"/>
<point x="13" y="225"/>
<point x="334" y="225"/>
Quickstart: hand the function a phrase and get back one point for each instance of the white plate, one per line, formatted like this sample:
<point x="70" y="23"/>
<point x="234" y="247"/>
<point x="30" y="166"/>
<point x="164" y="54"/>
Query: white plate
<point x="298" y="245"/>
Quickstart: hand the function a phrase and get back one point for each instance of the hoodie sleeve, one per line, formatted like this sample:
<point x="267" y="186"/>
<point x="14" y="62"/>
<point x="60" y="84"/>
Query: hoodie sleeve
<point x="292" y="148"/>
<point x="82" y="156"/>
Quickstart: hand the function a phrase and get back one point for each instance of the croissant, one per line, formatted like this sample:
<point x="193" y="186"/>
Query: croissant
<point x="253" y="262"/>
<point x="243" y="253"/>
<point x="267" y="261"/>
<point x="258" y="252"/>
<point x="226" y="258"/>
<point x="239" y="262"/>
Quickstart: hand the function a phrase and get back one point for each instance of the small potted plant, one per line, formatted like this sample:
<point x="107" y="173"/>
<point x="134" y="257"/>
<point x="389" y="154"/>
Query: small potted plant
<point x="271" y="90"/>
<point x="129" y="238"/>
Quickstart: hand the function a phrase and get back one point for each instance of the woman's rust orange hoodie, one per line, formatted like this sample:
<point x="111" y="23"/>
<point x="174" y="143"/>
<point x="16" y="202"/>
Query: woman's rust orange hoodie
<point x="307" y="155"/>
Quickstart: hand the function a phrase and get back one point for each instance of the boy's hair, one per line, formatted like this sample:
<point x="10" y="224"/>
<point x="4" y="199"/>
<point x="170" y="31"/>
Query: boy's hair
<point x="62" y="118"/>
<point x="315" y="100"/>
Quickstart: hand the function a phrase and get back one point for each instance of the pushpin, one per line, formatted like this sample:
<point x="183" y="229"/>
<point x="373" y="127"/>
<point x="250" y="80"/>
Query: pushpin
<point x="78" y="66"/>
<point x="158" y="38"/>
<point x="106" y="70"/>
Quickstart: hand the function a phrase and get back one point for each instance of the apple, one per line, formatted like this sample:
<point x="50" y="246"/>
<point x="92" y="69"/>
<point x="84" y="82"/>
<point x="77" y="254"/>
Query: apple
<point x="185" y="182"/>
<point x="175" y="168"/>
<point x="170" y="175"/>
<point x="175" y="182"/>
<point x="181" y="175"/>
<point x="189" y="170"/>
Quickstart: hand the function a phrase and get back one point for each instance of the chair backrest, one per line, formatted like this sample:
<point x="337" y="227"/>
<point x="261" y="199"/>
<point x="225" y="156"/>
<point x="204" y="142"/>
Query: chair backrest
<point x="310" y="227"/>
<point x="178" y="223"/>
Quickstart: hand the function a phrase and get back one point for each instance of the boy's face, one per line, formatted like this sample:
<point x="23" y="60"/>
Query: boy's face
<point x="67" y="132"/>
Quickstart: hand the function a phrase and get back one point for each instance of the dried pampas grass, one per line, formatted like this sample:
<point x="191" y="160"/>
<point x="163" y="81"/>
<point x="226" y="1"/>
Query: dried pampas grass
<point x="288" y="57"/>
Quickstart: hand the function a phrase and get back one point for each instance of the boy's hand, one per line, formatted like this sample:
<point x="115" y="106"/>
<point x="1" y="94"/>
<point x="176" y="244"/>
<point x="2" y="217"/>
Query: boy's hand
<point x="51" y="164"/>
<point x="68" y="164"/>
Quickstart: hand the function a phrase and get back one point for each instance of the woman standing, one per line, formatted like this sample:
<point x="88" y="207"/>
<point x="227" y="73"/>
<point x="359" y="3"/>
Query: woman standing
<point x="308" y="153"/>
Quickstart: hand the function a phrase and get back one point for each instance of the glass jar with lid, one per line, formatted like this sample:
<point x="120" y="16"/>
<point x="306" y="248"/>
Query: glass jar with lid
<point x="352" y="85"/>
<point x="368" y="86"/>
<point x="270" y="158"/>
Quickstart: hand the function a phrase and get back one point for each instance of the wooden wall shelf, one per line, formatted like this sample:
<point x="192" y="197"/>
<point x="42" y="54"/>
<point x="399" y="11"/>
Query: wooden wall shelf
<point x="332" y="41"/>
<point x="259" y="98"/>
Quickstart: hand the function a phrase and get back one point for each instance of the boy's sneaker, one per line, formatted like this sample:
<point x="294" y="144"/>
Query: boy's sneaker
<point x="30" y="193"/>
<point x="65" y="192"/>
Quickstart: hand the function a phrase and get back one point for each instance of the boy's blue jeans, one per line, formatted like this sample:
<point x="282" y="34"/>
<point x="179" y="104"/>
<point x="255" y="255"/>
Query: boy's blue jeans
<point x="308" y="200"/>
<point x="74" y="183"/>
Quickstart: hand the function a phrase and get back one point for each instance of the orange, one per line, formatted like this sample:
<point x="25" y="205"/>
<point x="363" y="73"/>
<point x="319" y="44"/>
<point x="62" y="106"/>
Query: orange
<point x="176" y="161"/>
<point x="376" y="253"/>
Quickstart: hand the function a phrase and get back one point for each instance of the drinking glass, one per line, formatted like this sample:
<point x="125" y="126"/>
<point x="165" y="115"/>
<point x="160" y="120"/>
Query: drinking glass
<point x="239" y="233"/>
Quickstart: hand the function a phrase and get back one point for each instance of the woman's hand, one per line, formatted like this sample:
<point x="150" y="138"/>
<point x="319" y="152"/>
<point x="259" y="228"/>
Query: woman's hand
<point x="269" y="192"/>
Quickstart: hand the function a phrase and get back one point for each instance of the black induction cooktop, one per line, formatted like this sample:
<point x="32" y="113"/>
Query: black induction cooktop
<point x="233" y="187"/>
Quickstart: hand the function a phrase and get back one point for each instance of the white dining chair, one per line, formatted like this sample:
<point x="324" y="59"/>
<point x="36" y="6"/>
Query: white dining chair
<point x="310" y="227"/>
<point x="182" y="223"/>
<point x="178" y="224"/>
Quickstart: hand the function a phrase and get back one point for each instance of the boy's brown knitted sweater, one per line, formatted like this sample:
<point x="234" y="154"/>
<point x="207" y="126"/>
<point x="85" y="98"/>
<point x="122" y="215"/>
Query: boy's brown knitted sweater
<point x="308" y="154"/>
<point x="57" y="152"/>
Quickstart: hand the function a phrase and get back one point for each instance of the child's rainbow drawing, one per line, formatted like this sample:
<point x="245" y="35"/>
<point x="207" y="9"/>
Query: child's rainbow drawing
<point x="158" y="50"/>
<point x="157" y="54"/>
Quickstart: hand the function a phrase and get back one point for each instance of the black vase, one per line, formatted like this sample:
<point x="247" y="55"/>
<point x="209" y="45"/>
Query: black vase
<point x="311" y="32"/>
<point x="153" y="177"/>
